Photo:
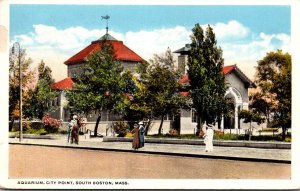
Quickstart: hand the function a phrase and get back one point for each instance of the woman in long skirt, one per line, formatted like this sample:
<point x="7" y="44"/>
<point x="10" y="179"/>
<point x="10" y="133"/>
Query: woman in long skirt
<point x="136" y="141"/>
<point x="208" y="139"/>
<point x="141" y="134"/>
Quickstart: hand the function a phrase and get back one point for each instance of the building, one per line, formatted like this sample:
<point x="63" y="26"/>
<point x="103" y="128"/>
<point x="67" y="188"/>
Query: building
<point x="128" y="58"/>
<point x="186" y="121"/>
<point x="238" y="84"/>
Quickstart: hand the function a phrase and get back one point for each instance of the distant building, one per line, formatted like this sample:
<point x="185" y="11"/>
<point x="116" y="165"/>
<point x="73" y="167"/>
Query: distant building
<point x="238" y="83"/>
<point x="128" y="58"/>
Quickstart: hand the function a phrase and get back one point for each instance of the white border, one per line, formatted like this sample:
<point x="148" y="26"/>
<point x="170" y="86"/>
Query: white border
<point x="157" y="2"/>
<point x="166" y="183"/>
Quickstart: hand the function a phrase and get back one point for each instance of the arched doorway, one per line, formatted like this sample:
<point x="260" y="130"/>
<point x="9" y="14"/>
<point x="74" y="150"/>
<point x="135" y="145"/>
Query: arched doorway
<point x="234" y="103"/>
<point x="229" y="116"/>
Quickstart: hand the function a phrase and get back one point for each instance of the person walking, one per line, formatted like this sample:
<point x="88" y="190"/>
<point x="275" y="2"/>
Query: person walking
<point x="75" y="127"/>
<point x="141" y="134"/>
<point x="136" y="140"/>
<point x="69" y="129"/>
<point x="208" y="138"/>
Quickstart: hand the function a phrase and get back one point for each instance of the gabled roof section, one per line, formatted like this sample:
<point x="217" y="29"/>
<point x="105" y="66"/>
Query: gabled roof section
<point x="122" y="52"/>
<point x="226" y="70"/>
<point x="244" y="78"/>
<point x="184" y="50"/>
<point x="65" y="84"/>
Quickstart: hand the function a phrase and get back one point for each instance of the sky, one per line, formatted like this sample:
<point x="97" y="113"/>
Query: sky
<point x="54" y="33"/>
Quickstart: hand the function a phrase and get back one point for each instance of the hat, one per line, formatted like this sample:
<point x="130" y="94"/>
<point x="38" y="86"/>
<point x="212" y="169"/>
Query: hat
<point x="141" y="123"/>
<point x="75" y="117"/>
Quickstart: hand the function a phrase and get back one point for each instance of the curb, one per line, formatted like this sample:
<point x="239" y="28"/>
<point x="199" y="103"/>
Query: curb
<point x="29" y="136"/>
<point x="252" y="144"/>
<point x="161" y="153"/>
<point x="264" y="145"/>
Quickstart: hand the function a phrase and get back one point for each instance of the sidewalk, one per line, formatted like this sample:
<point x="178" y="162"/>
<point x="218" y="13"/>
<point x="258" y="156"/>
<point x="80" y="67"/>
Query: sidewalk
<point x="229" y="153"/>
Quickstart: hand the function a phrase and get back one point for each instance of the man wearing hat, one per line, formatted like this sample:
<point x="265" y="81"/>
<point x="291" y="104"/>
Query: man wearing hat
<point x="70" y="127"/>
<point x="74" y="130"/>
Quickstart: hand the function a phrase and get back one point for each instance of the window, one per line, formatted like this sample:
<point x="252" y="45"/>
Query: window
<point x="194" y="116"/>
<point x="57" y="101"/>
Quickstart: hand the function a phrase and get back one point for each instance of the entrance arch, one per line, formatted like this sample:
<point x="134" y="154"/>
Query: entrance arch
<point x="236" y="96"/>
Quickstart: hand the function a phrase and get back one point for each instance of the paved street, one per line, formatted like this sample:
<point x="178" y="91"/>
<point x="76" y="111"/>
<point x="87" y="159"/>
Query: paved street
<point x="238" y="153"/>
<point x="64" y="162"/>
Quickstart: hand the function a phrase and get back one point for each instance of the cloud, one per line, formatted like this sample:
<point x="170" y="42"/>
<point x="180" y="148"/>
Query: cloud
<point x="147" y="43"/>
<point x="238" y="43"/>
<point x="233" y="30"/>
<point x="246" y="55"/>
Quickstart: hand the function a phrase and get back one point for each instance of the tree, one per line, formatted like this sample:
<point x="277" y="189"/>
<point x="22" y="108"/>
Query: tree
<point x="100" y="86"/>
<point x="166" y="59"/>
<point x="39" y="97"/>
<point x="163" y="88"/>
<point x="157" y="91"/>
<point x="274" y="80"/>
<point x="207" y="81"/>
<point x="261" y="103"/>
<point x="249" y="117"/>
<point x="139" y="107"/>
<point x="14" y="83"/>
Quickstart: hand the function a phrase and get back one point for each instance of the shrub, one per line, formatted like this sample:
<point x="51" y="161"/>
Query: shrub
<point x="25" y="126"/>
<point x="129" y="134"/>
<point x="51" y="125"/>
<point x="218" y="132"/>
<point x="36" y="131"/>
<point x="173" y="132"/>
<point x="226" y="136"/>
<point x="36" y="125"/>
<point x="121" y="128"/>
<point x="288" y="139"/>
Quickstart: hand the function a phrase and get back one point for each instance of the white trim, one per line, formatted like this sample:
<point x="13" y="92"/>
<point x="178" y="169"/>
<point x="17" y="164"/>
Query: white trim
<point x="236" y="94"/>
<point x="238" y="102"/>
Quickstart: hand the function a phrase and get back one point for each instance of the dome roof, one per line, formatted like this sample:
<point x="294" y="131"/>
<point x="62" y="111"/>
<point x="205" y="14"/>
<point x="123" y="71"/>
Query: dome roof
<point x="122" y="52"/>
<point x="107" y="37"/>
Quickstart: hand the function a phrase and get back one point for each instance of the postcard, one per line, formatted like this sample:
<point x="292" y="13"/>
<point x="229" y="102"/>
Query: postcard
<point x="140" y="95"/>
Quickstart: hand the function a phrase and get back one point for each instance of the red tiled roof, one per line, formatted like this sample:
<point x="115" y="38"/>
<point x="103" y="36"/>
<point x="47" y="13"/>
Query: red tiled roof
<point x="64" y="84"/>
<point x="184" y="79"/>
<point x="226" y="70"/>
<point x="184" y="93"/>
<point x="122" y="52"/>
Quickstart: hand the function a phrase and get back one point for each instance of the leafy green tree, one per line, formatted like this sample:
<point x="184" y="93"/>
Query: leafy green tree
<point x="139" y="107"/>
<point x="166" y="59"/>
<point x="262" y="104"/>
<point x="100" y="87"/>
<point x="274" y="80"/>
<point x="249" y="117"/>
<point x="207" y="81"/>
<point x="157" y="91"/>
<point x="163" y="87"/>
<point x="39" y="98"/>
<point x="14" y="83"/>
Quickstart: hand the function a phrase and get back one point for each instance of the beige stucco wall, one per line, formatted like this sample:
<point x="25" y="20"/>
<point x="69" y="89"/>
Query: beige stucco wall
<point x="237" y="83"/>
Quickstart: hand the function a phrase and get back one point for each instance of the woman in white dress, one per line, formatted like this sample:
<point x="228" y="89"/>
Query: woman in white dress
<point x="208" y="138"/>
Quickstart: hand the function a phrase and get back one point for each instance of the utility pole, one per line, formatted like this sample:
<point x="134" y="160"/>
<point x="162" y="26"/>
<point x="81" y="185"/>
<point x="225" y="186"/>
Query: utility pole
<point x="17" y="45"/>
